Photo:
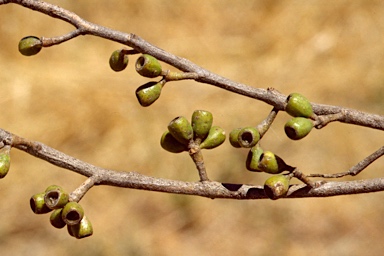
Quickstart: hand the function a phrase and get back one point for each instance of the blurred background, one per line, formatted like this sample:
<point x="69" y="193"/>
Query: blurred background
<point x="68" y="98"/>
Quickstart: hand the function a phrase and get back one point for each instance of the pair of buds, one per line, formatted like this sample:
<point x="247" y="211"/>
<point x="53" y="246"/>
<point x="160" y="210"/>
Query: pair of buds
<point x="259" y="160"/>
<point x="300" y="108"/>
<point x="181" y="132"/>
<point x="64" y="213"/>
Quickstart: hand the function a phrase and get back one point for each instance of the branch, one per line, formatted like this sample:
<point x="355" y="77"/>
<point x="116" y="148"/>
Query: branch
<point x="269" y="96"/>
<point x="209" y="189"/>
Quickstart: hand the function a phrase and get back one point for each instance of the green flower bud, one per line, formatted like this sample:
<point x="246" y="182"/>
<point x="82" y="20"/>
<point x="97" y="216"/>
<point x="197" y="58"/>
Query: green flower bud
<point x="5" y="161"/>
<point x="181" y="129"/>
<point x="248" y="137"/>
<point x="149" y="93"/>
<point x="271" y="163"/>
<point x="82" y="229"/>
<point x="55" y="197"/>
<point x="30" y="45"/>
<point x="215" y="138"/>
<point x="37" y="204"/>
<point x="298" y="106"/>
<point x="169" y="143"/>
<point x="56" y="219"/>
<point x="72" y="213"/>
<point x="234" y="137"/>
<point x="118" y="61"/>
<point x="253" y="158"/>
<point x="201" y="123"/>
<point x="298" y="127"/>
<point x="276" y="186"/>
<point x="148" y="66"/>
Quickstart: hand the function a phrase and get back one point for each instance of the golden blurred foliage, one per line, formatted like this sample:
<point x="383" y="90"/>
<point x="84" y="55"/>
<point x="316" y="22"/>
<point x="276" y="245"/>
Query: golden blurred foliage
<point x="68" y="98"/>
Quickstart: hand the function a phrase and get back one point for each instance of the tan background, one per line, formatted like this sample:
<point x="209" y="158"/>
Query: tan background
<point x="68" y="98"/>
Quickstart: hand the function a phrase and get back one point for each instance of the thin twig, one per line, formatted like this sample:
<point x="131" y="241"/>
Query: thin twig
<point x="272" y="97"/>
<point x="266" y="123"/>
<point x="356" y="169"/>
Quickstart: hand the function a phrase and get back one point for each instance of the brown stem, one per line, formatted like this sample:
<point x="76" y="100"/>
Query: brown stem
<point x="270" y="96"/>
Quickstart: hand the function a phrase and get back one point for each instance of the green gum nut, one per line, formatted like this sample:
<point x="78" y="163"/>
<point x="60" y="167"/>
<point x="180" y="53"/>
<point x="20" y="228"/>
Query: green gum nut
<point x="298" y="127"/>
<point x="234" y="138"/>
<point x="148" y="93"/>
<point x="248" y="137"/>
<point x="271" y="163"/>
<point x="118" y="61"/>
<point x="56" y="220"/>
<point x="201" y="123"/>
<point x="72" y="213"/>
<point x="215" y="138"/>
<point x="181" y="130"/>
<point x="148" y="66"/>
<point x="37" y="204"/>
<point x="298" y="106"/>
<point x="55" y="197"/>
<point x="30" y="45"/>
<point x="82" y="229"/>
<point x="169" y="143"/>
<point x="253" y="158"/>
<point x="5" y="161"/>
<point x="276" y="186"/>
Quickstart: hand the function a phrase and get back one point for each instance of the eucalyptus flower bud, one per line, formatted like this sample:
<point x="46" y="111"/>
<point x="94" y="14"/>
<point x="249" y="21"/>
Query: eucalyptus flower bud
<point x="215" y="138"/>
<point x="234" y="137"/>
<point x="149" y="93"/>
<point x="118" y="61"/>
<point x="72" y="213"/>
<point x="201" y="123"/>
<point x="148" y="66"/>
<point x="37" y="204"/>
<point x="82" y="229"/>
<point x="271" y="163"/>
<point x="56" y="220"/>
<point x="298" y="106"/>
<point x="253" y="158"/>
<point x="248" y="137"/>
<point x="181" y="129"/>
<point x="298" y="127"/>
<point x="169" y="143"/>
<point x="55" y="197"/>
<point x="276" y="186"/>
<point x="5" y="161"/>
<point x="30" y="45"/>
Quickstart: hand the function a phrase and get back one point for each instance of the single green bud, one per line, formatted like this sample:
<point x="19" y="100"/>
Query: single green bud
<point x="55" y="197"/>
<point x="5" y="161"/>
<point x="30" y="45"/>
<point x="298" y="127"/>
<point x="118" y="61"/>
<point x="169" y="143"/>
<point x="56" y="219"/>
<point x="234" y="137"/>
<point x="248" y="137"/>
<point x="37" y="204"/>
<point x="215" y="138"/>
<point x="276" y="186"/>
<point x="149" y="93"/>
<point x="181" y="129"/>
<point x="271" y="163"/>
<point x="253" y="158"/>
<point x="148" y="66"/>
<point x="72" y="213"/>
<point x="82" y="229"/>
<point x="298" y="106"/>
<point x="201" y="123"/>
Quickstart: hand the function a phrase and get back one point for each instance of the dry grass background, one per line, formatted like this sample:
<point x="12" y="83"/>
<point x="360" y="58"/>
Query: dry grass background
<point x="68" y="98"/>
